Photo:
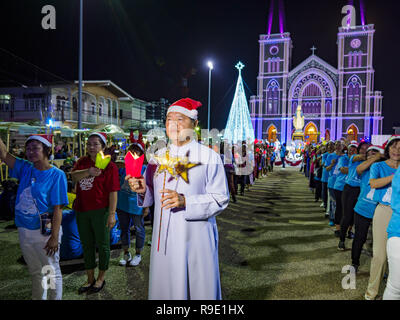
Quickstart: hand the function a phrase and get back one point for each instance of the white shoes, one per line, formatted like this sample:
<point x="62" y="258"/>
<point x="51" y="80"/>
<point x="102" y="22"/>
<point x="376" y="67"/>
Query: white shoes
<point x="136" y="260"/>
<point x="127" y="259"/>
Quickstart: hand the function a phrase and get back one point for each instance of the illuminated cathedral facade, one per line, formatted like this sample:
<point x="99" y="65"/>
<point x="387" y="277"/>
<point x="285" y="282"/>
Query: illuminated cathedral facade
<point x="336" y="102"/>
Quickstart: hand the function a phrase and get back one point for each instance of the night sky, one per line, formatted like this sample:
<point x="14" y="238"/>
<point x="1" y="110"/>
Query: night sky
<point x="147" y="46"/>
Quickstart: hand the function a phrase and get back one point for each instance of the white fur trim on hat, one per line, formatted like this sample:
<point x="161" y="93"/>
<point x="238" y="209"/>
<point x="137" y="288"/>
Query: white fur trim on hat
<point x="41" y="139"/>
<point x="376" y="148"/>
<point x="192" y="114"/>
<point x="100" y="136"/>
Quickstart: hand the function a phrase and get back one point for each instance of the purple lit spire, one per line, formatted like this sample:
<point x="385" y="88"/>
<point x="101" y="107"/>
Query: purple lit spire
<point x="281" y="16"/>
<point x="270" y="16"/>
<point x="362" y="11"/>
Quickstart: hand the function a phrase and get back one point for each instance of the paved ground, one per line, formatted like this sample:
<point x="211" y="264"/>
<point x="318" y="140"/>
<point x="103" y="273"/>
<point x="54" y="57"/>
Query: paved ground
<point x="274" y="244"/>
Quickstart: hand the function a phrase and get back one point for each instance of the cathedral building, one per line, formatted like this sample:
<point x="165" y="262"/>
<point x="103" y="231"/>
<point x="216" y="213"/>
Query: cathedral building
<point x="336" y="102"/>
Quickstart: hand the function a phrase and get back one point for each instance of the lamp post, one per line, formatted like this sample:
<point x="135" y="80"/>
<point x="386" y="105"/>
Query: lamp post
<point x="210" y="67"/>
<point x="80" y="64"/>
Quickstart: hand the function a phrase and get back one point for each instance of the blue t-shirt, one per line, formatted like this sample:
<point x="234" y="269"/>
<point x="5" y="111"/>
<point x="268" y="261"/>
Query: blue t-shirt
<point x="127" y="199"/>
<point x="332" y="173"/>
<point x="365" y="205"/>
<point x="38" y="192"/>
<point x="353" y="179"/>
<point x="341" y="177"/>
<point x="381" y="170"/>
<point x="394" y="223"/>
<point x="325" y="174"/>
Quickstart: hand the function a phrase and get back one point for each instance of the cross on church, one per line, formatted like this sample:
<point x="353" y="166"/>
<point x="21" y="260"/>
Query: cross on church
<point x="239" y="66"/>
<point x="313" y="49"/>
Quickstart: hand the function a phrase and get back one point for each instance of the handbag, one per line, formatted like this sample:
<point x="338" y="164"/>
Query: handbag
<point x="46" y="218"/>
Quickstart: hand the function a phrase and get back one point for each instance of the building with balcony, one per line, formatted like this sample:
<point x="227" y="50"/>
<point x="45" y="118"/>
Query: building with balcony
<point x="103" y="102"/>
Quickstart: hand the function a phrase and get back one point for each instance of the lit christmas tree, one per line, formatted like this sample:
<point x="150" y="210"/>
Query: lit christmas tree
<point x="239" y="126"/>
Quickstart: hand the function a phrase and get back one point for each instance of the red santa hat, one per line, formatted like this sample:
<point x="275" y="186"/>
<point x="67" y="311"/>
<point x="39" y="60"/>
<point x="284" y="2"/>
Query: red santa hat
<point x="138" y="142"/>
<point x="185" y="106"/>
<point x="353" y="144"/>
<point x="392" y="138"/>
<point x="101" y="135"/>
<point x="46" y="139"/>
<point x="376" y="148"/>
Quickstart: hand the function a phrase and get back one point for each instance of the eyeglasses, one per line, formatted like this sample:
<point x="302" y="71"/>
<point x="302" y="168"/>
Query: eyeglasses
<point x="33" y="149"/>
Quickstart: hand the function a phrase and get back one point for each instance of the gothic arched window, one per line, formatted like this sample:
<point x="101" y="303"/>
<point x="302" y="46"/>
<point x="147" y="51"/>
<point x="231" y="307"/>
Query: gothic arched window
<point x="353" y="99"/>
<point x="328" y="108"/>
<point x="272" y="101"/>
<point x="356" y="98"/>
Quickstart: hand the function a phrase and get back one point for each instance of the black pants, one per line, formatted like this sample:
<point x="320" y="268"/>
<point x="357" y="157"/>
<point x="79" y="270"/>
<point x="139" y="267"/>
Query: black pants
<point x="349" y="200"/>
<point x="339" y="208"/>
<point x="361" y="226"/>
<point x="239" y="180"/>
<point x="318" y="189"/>
<point x="325" y="193"/>
<point x="311" y="181"/>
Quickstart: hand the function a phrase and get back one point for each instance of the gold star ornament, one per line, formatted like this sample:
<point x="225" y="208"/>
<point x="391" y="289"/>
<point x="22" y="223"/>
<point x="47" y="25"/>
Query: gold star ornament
<point x="176" y="167"/>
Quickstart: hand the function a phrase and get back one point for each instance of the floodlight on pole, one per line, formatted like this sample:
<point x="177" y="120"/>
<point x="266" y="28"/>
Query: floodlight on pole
<point x="210" y="67"/>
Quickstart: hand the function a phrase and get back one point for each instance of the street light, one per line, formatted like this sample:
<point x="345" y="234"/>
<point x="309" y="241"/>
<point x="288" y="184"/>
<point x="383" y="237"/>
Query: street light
<point x="210" y="67"/>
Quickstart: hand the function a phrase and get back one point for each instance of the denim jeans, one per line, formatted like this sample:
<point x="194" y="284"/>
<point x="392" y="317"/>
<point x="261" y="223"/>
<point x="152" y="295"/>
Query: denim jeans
<point x="332" y="204"/>
<point x="125" y="219"/>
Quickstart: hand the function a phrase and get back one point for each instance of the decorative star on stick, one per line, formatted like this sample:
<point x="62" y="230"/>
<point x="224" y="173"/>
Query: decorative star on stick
<point x="175" y="166"/>
<point x="182" y="167"/>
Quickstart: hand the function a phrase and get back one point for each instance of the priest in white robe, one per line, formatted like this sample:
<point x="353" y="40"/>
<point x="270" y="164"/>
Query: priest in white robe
<point x="187" y="184"/>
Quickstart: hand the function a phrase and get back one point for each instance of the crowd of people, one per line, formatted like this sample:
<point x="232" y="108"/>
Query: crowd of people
<point x="244" y="163"/>
<point x="358" y="185"/>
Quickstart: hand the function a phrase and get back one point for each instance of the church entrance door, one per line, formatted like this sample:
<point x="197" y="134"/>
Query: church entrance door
<point x="272" y="134"/>
<point x="352" y="133"/>
<point x="311" y="133"/>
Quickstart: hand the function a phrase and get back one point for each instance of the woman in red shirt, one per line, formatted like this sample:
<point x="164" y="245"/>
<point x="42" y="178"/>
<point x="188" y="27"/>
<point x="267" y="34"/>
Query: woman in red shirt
<point x="95" y="206"/>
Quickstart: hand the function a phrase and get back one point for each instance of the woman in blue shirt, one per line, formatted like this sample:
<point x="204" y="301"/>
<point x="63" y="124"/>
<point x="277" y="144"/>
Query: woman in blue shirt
<point x="350" y="193"/>
<point x="330" y="148"/>
<point x="392" y="291"/>
<point x="129" y="213"/>
<point x="365" y="207"/>
<point x="341" y="171"/>
<point x="42" y="191"/>
<point x="318" y="173"/>
<point x="381" y="175"/>
<point x="332" y="161"/>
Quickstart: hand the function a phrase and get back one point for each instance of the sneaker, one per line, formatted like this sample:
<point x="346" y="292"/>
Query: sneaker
<point x="341" y="246"/>
<point x="350" y="235"/>
<point x="322" y="205"/>
<point x="127" y="258"/>
<point x="355" y="266"/>
<point x="331" y="223"/>
<point x="136" y="260"/>
<point x="326" y="215"/>
<point x="337" y="233"/>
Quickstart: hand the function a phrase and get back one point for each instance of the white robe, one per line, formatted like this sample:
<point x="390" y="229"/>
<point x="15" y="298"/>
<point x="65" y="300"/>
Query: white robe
<point x="186" y="265"/>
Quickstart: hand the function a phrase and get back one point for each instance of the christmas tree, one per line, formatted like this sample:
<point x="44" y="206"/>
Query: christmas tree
<point x="239" y="126"/>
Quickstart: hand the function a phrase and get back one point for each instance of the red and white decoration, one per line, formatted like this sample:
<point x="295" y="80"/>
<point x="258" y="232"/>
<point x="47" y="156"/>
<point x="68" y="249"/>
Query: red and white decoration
<point x="46" y="139"/>
<point x="185" y="106"/>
